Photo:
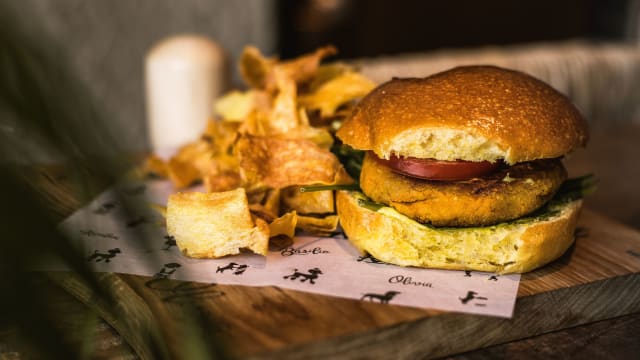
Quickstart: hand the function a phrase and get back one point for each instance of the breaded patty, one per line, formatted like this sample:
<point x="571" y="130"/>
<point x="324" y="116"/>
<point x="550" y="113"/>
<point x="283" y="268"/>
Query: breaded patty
<point x="506" y="194"/>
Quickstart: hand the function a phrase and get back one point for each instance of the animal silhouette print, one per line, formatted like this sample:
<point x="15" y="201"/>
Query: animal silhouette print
<point x="369" y="259"/>
<point x="169" y="242"/>
<point x="111" y="253"/>
<point x="633" y="253"/>
<point x="137" y="221"/>
<point x="381" y="298"/>
<point x="237" y="269"/>
<point x="138" y="190"/>
<point x="167" y="270"/>
<point x="471" y="295"/>
<point x="104" y="208"/>
<point x="311" y="276"/>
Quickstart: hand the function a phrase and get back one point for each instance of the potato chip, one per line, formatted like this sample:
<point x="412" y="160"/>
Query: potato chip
<point x="207" y="159"/>
<point x="266" y="205"/>
<point x="278" y="163"/>
<point x="211" y="225"/>
<point x="190" y="163"/>
<point x="322" y="226"/>
<point x="316" y="202"/>
<point x="318" y="136"/>
<point x="271" y="201"/>
<point x="255" y="124"/>
<point x="321" y="137"/>
<point x="260" y="72"/>
<point x="261" y="231"/>
<point x="220" y="135"/>
<point x="255" y="68"/>
<point x="284" y="111"/>
<point x="279" y="242"/>
<point x="156" y="166"/>
<point x="302" y="69"/>
<point x="235" y="105"/>
<point x="327" y="72"/>
<point x="182" y="173"/>
<point x="258" y="210"/>
<point x="337" y="91"/>
<point x="284" y="225"/>
<point x="223" y="181"/>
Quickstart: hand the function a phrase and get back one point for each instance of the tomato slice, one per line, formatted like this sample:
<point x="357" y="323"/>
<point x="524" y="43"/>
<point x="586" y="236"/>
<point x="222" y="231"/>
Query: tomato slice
<point x="431" y="169"/>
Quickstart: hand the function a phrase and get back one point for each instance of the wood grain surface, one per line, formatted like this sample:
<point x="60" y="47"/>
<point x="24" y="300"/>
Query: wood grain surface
<point x="597" y="279"/>
<point x="610" y="339"/>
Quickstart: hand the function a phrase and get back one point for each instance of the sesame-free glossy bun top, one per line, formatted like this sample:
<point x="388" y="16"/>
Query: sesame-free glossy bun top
<point x="470" y="113"/>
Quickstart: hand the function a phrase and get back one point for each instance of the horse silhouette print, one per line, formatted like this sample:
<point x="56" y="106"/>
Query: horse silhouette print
<point x="381" y="298"/>
<point x="236" y="269"/>
<point x="111" y="253"/>
<point x="167" y="270"/>
<point x="104" y="208"/>
<point x="311" y="276"/>
<point x="471" y="295"/>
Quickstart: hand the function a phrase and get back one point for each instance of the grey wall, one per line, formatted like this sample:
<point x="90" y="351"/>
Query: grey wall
<point x="106" y="40"/>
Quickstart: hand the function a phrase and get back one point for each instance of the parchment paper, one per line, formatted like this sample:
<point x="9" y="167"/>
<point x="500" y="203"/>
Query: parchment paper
<point x="136" y="242"/>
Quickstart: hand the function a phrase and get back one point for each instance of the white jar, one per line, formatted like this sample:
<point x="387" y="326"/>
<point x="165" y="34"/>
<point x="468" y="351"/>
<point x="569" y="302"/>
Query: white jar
<point x="183" y="76"/>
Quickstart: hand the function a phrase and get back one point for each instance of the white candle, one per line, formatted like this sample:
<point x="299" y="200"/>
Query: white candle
<point x="184" y="74"/>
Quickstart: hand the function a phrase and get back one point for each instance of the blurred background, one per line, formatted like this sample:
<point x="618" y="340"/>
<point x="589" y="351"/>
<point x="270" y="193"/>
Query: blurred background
<point x="104" y="42"/>
<point x="372" y="28"/>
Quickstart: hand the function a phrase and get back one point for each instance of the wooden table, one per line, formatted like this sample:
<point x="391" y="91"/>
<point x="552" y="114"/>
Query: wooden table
<point x="612" y="155"/>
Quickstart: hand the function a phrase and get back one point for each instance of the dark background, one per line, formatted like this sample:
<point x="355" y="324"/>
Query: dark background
<point x="362" y="28"/>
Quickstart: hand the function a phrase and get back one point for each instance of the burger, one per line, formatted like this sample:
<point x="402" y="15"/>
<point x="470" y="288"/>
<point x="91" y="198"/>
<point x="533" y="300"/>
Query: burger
<point x="463" y="170"/>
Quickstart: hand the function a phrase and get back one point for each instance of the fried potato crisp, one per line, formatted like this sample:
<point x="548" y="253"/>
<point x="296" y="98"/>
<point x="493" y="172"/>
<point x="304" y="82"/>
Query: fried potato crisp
<point x="259" y="71"/>
<point x="235" y="105"/>
<point x="266" y="204"/>
<point x="221" y="181"/>
<point x="211" y="225"/>
<point x="316" y="202"/>
<point x="318" y="225"/>
<point x="284" y="113"/>
<point x="327" y="72"/>
<point x="278" y="163"/>
<point x="337" y="91"/>
<point x="156" y="166"/>
<point x="254" y="67"/>
<point x="284" y="225"/>
<point x="182" y="173"/>
<point x="302" y="69"/>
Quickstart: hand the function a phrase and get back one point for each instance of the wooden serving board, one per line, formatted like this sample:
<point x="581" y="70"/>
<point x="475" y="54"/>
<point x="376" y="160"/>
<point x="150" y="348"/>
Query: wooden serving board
<point x="598" y="278"/>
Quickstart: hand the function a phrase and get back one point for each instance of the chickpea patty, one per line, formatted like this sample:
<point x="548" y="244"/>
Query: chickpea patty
<point x="506" y="194"/>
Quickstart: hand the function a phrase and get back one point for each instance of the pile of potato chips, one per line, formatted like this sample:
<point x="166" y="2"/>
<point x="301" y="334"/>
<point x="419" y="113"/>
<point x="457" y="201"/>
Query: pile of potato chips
<point x="272" y="139"/>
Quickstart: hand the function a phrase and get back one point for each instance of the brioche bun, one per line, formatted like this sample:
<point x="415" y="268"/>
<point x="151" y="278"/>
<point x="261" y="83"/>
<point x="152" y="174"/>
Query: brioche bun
<point x="515" y="247"/>
<point x="472" y="113"/>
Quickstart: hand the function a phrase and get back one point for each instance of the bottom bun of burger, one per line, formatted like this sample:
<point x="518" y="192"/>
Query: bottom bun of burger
<point x="512" y="247"/>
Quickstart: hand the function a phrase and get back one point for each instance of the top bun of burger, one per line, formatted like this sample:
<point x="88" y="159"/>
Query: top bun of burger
<point x="472" y="113"/>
